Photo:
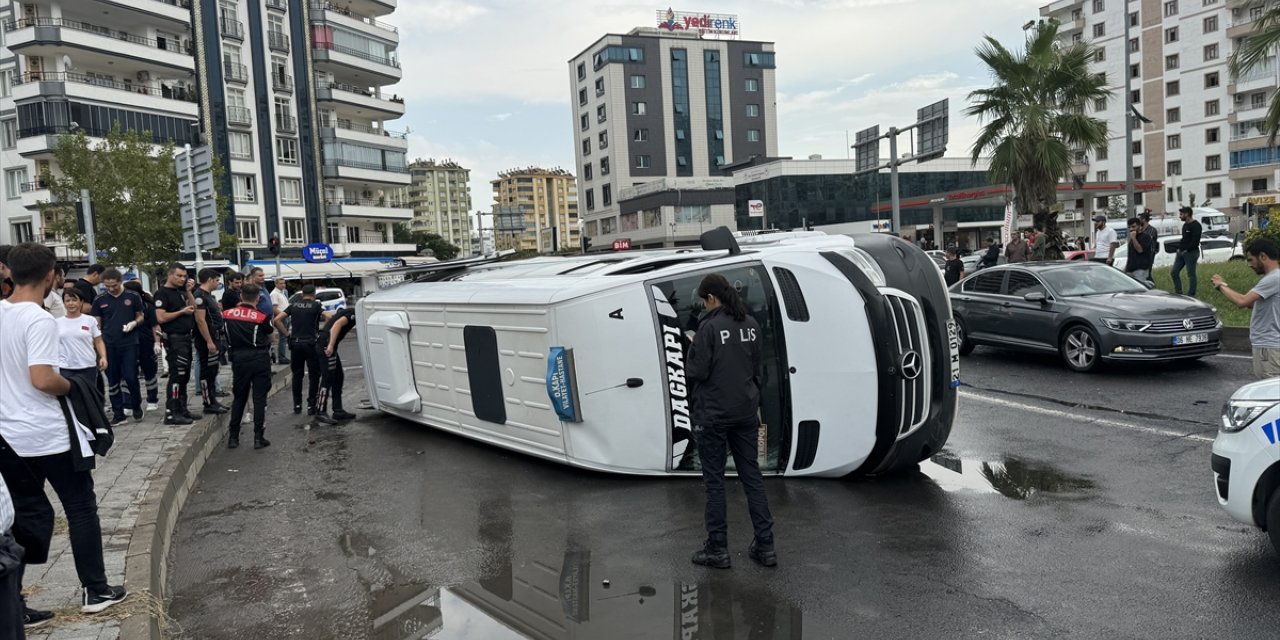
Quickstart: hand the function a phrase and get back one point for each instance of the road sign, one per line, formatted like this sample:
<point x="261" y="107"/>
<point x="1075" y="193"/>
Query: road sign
<point x="202" y="160"/>
<point x="208" y="238"/>
<point x="755" y="208"/>
<point x="206" y="212"/>
<point x="867" y="149"/>
<point x="933" y="122"/>
<point x="204" y="187"/>
<point x="509" y="219"/>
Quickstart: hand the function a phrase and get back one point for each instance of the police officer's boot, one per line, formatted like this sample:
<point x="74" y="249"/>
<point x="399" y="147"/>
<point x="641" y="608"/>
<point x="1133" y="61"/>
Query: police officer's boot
<point x="182" y="408"/>
<point x="714" y="553"/>
<point x="259" y="440"/>
<point x="233" y="440"/>
<point x="174" y="417"/>
<point x="338" y="412"/>
<point x="762" y="552"/>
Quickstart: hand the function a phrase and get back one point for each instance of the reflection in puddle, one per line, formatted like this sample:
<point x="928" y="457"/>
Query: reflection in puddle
<point x="539" y="600"/>
<point x="1010" y="477"/>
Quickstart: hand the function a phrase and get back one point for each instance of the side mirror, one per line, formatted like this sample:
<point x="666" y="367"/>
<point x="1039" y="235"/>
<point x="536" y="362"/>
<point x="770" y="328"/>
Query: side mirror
<point x="1036" y="296"/>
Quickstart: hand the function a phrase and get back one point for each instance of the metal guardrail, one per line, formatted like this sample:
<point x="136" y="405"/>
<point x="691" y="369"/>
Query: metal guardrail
<point x="329" y="6"/>
<point x="171" y="45"/>
<point x="239" y="115"/>
<point x="360" y="128"/>
<point x="231" y="28"/>
<point x="364" y="55"/>
<point x="356" y="164"/>
<point x="277" y="41"/>
<point x="235" y="72"/>
<point x="282" y="81"/>
<point x="170" y="93"/>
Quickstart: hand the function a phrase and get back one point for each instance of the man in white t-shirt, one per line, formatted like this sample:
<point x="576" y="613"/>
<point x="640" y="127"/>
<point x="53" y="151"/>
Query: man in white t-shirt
<point x="37" y="446"/>
<point x="1105" y="241"/>
<point x="280" y="302"/>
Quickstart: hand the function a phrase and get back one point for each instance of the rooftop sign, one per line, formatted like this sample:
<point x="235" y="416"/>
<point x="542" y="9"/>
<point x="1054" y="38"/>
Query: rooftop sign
<point x="715" y="24"/>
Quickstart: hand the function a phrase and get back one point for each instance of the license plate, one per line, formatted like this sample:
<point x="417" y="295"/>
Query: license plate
<point x="953" y="341"/>
<point x="1191" y="338"/>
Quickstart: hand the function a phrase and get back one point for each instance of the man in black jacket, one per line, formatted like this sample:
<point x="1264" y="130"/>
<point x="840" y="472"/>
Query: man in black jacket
<point x="249" y="335"/>
<point x="176" y="311"/>
<point x="724" y="368"/>
<point x="1188" y="252"/>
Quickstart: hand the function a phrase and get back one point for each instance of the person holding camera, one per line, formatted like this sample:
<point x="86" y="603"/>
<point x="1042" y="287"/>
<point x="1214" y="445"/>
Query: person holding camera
<point x="1188" y="252"/>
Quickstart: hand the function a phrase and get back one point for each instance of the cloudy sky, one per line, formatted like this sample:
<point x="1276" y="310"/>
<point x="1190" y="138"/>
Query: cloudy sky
<point x="486" y="82"/>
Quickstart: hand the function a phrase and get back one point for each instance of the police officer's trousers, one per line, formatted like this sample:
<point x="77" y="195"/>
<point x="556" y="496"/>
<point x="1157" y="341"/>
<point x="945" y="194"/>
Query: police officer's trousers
<point x="333" y="379"/>
<point x="122" y="375"/>
<point x="250" y="371"/>
<point x="179" y="349"/>
<point x="304" y="355"/>
<point x="208" y="371"/>
<point x="714" y="442"/>
<point x="149" y="367"/>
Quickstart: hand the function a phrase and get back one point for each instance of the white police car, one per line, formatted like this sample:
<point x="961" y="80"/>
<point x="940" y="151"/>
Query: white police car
<point x="1246" y="457"/>
<point x="331" y="299"/>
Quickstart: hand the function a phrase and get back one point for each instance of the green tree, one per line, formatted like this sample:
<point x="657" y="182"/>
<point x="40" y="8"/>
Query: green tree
<point x="1256" y="48"/>
<point x="1035" y="119"/>
<point x="440" y="248"/>
<point x="134" y="196"/>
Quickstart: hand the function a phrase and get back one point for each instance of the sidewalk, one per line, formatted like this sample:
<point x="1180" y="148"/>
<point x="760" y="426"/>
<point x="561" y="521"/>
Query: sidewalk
<point x="133" y="482"/>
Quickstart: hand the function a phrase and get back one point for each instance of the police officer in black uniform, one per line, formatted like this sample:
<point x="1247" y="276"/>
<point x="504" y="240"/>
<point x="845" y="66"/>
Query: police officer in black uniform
<point x="304" y="352"/>
<point x="249" y="335"/>
<point x="175" y="311"/>
<point x="148" y="346"/>
<point x="335" y="330"/>
<point x="724" y="370"/>
<point x="119" y="313"/>
<point x="208" y="338"/>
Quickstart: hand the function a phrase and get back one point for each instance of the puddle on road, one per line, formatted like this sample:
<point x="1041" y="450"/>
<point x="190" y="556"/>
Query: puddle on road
<point x="537" y="601"/>
<point x="1009" y="477"/>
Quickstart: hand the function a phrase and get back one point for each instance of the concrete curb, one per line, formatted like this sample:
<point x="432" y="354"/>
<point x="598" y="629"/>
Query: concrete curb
<point x="1236" y="340"/>
<point x="145" y="565"/>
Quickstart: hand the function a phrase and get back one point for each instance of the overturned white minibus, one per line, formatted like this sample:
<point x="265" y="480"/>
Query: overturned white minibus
<point x="580" y="360"/>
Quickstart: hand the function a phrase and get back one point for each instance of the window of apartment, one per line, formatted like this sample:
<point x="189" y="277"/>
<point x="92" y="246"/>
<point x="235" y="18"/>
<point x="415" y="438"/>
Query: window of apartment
<point x="287" y="151"/>
<point x="1099" y="6"/>
<point x="604" y="140"/>
<point x="753" y="135"/>
<point x="682" y="161"/>
<point x="1255" y="11"/>
<point x="21" y="232"/>
<point x="1135" y="96"/>
<point x="637" y="81"/>
<point x="586" y="146"/>
<point x="1211" y="80"/>
<point x="1136" y="148"/>
<point x="235" y="98"/>
<point x="753" y="85"/>
<point x="13" y="181"/>
<point x="242" y="187"/>
<point x="641" y="135"/>
<point x="1135" y="71"/>
<point x="1100" y="30"/>
<point x="1100" y="54"/>
<point x="1133" y="45"/>
<point x="333" y="233"/>
<point x="1210" y="52"/>
<point x="1171" y="8"/>
<point x="1077" y="38"/>
<point x="1133" y="18"/>
<point x="1213" y="190"/>
<point x="1174" y="141"/>
<point x="241" y="145"/>
<point x="1172" y="88"/>
<point x="248" y="231"/>
<point x="1137" y="173"/>
<point x="1212" y="135"/>
<point x="606" y="195"/>
<point x="602" y="114"/>
<point x="1171" y="62"/>
<point x="586" y="171"/>
<point x="680" y="134"/>
<point x="1173" y="168"/>
<point x="6" y="80"/>
<point x="1101" y="153"/>
<point x="1101" y="176"/>
<point x="290" y="191"/>
<point x="639" y="108"/>
<point x="1173" y="115"/>
<point x="295" y="231"/>
<point x="582" y="71"/>
<point x="1213" y="163"/>
<point x="1100" y="104"/>
<point x="1258" y="184"/>
<point x="643" y="162"/>
<point x="604" y="166"/>
<point x="8" y="133"/>
<point x="584" y="122"/>
<point x="1211" y="108"/>
<point x="1171" y="34"/>
<point x="599" y="86"/>
<point x="1258" y="100"/>
<point x="753" y="111"/>
<point x="582" y="96"/>
<point x="591" y="199"/>
<point x="1211" y="24"/>
<point x="353" y="234"/>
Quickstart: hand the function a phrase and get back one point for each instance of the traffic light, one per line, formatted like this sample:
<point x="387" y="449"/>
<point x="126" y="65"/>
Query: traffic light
<point x="586" y="243"/>
<point x="273" y="245"/>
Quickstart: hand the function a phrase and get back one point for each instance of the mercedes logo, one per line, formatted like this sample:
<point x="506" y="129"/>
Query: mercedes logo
<point x="911" y="365"/>
<point x="1188" y="324"/>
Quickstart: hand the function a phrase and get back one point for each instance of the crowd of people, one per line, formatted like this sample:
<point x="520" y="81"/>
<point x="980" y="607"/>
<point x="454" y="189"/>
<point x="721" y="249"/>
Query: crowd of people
<point x="59" y="339"/>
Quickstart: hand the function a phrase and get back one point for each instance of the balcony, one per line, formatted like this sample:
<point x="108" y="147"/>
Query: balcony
<point x="366" y="208"/>
<point x="1241" y="27"/>
<point x="362" y="133"/>
<point x="286" y="123"/>
<point x="239" y="116"/>
<point x="150" y="96"/>
<point x="279" y="5"/>
<point x="33" y="193"/>
<point x="235" y="72"/>
<point x="231" y="29"/>
<point x="377" y="106"/>
<point x="282" y="82"/>
<point x="277" y="41"/>
<point x="40" y="37"/>
<point x="328" y="12"/>
<point x="342" y="169"/>
<point x="384" y="69"/>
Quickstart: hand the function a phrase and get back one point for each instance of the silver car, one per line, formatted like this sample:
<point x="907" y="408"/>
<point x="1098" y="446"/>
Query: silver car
<point x="1086" y="312"/>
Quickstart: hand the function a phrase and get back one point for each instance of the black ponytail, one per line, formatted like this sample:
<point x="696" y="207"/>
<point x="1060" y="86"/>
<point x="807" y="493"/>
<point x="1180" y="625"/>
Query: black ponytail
<point x="716" y="285"/>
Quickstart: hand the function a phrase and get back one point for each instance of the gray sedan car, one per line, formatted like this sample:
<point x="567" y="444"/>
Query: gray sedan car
<point x="1086" y="312"/>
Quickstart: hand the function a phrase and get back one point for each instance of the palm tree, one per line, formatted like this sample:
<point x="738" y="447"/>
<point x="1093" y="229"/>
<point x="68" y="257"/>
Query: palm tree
<point x="1035" y="121"/>
<point x="1256" y="48"/>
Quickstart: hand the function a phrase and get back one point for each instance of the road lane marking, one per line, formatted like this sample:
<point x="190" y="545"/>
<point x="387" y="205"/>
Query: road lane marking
<point x="1232" y="355"/>
<point x="969" y="395"/>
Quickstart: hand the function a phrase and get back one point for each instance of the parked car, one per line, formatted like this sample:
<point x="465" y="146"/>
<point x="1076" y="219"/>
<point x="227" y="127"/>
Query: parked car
<point x="1086" y="312"/>
<point x="1246" y="457"/>
<point x="331" y="299"/>
<point x="1218" y="249"/>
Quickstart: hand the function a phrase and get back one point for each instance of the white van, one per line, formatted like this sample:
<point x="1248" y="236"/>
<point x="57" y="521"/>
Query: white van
<point x="1246" y="457"/>
<point x="1214" y="223"/>
<point x="581" y="360"/>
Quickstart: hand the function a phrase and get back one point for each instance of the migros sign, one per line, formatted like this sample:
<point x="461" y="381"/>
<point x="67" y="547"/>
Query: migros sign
<point x="703" y="23"/>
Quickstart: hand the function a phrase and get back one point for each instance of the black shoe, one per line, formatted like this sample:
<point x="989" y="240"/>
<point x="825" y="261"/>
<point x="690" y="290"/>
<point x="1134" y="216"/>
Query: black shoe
<point x="716" y="557"/>
<point x="176" y="419"/>
<point x="222" y="394"/>
<point x="260" y="442"/>
<point x="33" y="618"/>
<point x="118" y="420"/>
<point x="321" y="418"/>
<point x="99" y="602"/>
<point x="297" y="409"/>
<point x="139" y="414"/>
<point x="233" y="441"/>
<point x="343" y="415"/>
<point x="311" y="409"/>
<point x="214" y="409"/>
<point x="186" y="413"/>
<point x="762" y="553"/>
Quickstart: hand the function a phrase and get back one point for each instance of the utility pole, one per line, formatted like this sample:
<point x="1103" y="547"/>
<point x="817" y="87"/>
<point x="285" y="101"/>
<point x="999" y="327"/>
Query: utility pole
<point x="89" y="244"/>
<point x="1128" y="118"/>
<point x="933" y="123"/>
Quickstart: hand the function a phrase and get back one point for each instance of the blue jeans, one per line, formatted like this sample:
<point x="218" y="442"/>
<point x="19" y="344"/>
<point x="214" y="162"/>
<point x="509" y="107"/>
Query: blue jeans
<point x="1186" y="259"/>
<point x="122" y="375"/>
<point x="715" y="441"/>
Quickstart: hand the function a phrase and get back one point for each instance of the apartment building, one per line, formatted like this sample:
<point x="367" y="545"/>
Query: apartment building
<point x="87" y="65"/>
<point x="1205" y="136"/>
<point x="549" y="200"/>
<point x="671" y="107"/>
<point x="441" y="198"/>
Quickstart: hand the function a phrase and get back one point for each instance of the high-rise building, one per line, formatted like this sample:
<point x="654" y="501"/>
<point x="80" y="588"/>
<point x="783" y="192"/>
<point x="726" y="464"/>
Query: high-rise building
<point x="671" y="108"/>
<point x="1205" y="136"/>
<point x="287" y="92"/>
<point x="441" y="199"/>
<point x="549" y="200"/>
<point x="87" y="65"/>
<point x="293" y="95"/>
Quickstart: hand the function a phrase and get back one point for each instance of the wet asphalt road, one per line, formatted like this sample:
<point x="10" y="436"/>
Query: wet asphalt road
<point x="1065" y="505"/>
